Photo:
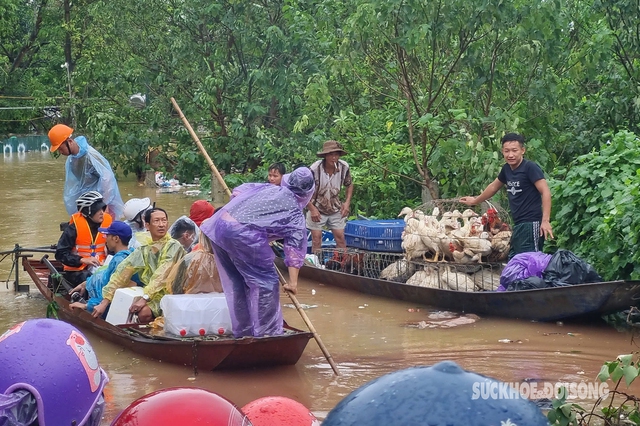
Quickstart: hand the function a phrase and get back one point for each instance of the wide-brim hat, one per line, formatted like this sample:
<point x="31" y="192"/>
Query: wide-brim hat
<point x="331" y="146"/>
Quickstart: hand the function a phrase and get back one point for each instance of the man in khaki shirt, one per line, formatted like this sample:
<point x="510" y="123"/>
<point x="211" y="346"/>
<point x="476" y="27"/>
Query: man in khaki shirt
<point x="325" y="208"/>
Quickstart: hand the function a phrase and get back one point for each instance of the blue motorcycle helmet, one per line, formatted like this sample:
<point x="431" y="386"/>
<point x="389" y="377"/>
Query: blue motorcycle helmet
<point x="443" y="394"/>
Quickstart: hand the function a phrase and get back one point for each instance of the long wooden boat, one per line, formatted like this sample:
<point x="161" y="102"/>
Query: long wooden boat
<point x="546" y="304"/>
<point x="201" y="353"/>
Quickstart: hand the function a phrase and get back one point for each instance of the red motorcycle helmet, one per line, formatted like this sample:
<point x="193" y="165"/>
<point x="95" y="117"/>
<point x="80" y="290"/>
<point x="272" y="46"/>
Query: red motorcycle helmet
<point x="279" y="411"/>
<point x="181" y="406"/>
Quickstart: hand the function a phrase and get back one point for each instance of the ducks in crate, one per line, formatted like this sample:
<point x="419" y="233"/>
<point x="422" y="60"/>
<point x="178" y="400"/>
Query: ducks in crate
<point x="444" y="276"/>
<point x="395" y="267"/>
<point x="459" y="237"/>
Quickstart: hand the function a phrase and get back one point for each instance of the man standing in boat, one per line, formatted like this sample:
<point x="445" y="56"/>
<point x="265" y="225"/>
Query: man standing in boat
<point x="82" y="247"/>
<point x="86" y="170"/>
<point x="528" y="193"/>
<point x="153" y="262"/>
<point x="325" y="208"/>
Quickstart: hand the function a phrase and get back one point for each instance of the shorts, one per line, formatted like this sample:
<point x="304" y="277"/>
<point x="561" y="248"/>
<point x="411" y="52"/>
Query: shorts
<point x="525" y="238"/>
<point x="333" y="221"/>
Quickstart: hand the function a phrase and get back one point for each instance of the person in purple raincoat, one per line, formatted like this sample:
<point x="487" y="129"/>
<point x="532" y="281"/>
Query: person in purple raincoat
<point x="240" y="233"/>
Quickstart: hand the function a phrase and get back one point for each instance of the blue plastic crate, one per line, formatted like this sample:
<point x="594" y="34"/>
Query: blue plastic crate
<point x="375" y="235"/>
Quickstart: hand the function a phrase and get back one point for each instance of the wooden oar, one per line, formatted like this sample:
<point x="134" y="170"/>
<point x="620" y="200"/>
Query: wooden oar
<point x="307" y="321"/>
<point x="292" y="296"/>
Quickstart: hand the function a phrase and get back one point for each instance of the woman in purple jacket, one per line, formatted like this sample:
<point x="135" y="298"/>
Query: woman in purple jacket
<point x="240" y="233"/>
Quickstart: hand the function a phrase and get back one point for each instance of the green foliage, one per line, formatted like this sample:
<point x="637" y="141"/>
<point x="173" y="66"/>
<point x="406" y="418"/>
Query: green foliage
<point x="419" y="92"/>
<point x="52" y="309"/>
<point x="596" y="203"/>
<point x="564" y="413"/>
<point x="462" y="76"/>
<point x="621" y="407"/>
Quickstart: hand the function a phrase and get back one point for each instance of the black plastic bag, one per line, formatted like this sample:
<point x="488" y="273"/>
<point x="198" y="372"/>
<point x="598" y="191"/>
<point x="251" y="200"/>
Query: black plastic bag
<point x="527" y="284"/>
<point x="565" y="268"/>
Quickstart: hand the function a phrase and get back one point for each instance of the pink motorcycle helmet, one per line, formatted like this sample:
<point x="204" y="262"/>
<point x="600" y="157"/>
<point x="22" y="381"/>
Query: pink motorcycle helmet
<point x="55" y="362"/>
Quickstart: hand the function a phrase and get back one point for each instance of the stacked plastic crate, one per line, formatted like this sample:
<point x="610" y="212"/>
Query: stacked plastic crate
<point x="375" y="235"/>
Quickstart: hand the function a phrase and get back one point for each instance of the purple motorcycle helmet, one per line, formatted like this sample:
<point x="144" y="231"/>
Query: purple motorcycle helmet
<point x="55" y="363"/>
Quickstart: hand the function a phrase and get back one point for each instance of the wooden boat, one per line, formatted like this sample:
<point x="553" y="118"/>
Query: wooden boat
<point x="201" y="353"/>
<point x="546" y="304"/>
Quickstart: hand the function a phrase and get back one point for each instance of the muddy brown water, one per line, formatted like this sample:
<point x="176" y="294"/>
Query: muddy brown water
<point x="367" y="336"/>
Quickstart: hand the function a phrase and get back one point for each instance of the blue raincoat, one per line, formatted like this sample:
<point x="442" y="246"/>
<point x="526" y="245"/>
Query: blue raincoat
<point x="101" y="277"/>
<point x="240" y="233"/>
<point x="87" y="171"/>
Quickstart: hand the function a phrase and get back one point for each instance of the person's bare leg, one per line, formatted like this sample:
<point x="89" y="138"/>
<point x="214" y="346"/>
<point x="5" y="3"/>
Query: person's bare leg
<point x="316" y="241"/>
<point x="338" y="235"/>
<point x="145" y="316"/>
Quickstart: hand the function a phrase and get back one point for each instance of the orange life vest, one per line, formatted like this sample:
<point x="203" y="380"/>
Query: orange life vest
<point x="86" y="245"/>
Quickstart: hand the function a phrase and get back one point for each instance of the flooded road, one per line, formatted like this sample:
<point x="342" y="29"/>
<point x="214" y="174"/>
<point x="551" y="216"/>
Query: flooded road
<point x="367" y="336"/>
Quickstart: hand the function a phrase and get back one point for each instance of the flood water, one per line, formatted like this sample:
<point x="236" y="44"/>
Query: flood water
<point x="367" y="336"/>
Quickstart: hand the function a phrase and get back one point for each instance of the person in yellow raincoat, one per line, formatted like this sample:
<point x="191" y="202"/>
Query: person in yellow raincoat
<point x="153" y="263"/>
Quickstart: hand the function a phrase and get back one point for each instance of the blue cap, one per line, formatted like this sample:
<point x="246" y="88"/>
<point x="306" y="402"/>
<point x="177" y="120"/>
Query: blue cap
<point x="118" y="228"/>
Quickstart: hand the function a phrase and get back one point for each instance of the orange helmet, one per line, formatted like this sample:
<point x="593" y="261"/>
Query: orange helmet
<point x="58" y="134"/>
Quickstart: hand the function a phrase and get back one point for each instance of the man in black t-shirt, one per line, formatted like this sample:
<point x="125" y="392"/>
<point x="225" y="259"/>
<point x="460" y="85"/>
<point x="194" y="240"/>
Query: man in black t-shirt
<point x="528" y="193"/>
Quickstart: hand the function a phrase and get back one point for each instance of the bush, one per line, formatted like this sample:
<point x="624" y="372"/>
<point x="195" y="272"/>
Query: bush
<point x="596" y="201"/>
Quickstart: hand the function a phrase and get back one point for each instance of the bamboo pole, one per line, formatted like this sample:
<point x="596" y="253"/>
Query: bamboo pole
<point x="306" y="319"/>
<point x="201" y="147"/>
<point x="292" y="296"/>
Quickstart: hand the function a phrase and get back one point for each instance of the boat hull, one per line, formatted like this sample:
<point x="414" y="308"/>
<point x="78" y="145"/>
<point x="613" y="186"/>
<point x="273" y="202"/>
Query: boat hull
<point x="198" y="353"/>
<point x="547" y="304"/>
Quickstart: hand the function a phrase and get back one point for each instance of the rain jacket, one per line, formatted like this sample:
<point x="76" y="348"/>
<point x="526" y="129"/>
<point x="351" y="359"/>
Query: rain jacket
<point x="87" y="171"/>
<point x="153" y="262"/>
<point x="240" y="233"/>
<point x="100" y="278"/>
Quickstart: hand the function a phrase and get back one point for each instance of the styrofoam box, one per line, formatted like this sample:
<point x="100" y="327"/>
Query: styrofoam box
<point x="196" y="314"/>
<point x="375" y="235"/>
<point x="122" y="300"/>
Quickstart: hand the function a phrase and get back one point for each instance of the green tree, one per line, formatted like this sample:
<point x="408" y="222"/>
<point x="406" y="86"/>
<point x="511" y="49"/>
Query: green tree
<point x="464" y="73"/>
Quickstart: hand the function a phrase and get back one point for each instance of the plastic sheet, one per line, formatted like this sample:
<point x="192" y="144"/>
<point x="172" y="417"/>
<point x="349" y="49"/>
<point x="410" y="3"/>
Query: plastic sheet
<point x="19" y="408"/>
<point x="186" y="231"/>
<point x="524" y="265"/>
<point x="87" y="171"/>
<point x="197" y="272"/>
<point x="567" y="268"/>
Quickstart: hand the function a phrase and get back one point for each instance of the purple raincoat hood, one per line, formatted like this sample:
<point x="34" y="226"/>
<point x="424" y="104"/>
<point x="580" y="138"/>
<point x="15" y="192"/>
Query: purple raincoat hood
<point x="301" y="183"/>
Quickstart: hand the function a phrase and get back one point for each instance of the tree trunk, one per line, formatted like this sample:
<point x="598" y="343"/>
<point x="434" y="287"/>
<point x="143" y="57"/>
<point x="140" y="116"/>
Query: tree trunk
<point x="430" y="190"/>
<point x="218" y="195"/>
